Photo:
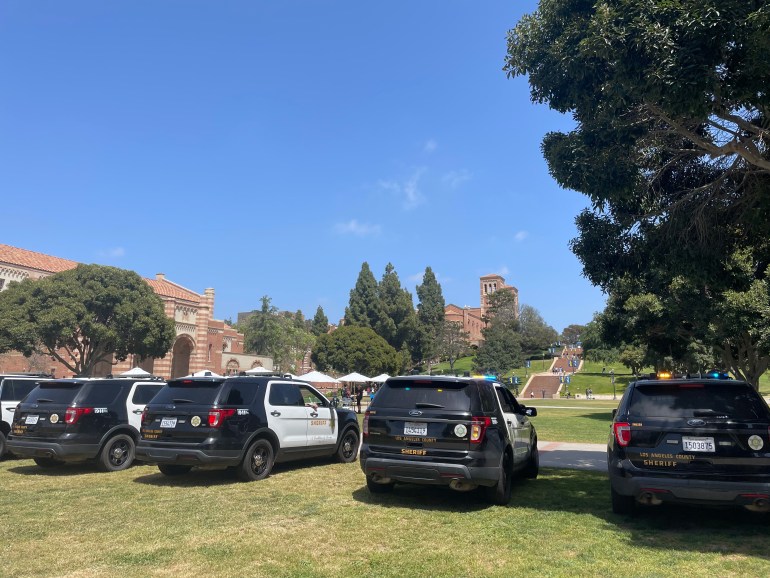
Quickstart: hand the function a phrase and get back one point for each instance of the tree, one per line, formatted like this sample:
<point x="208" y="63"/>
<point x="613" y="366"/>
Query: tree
<point x="397" y="326"/>
<point x="280" y="335"/>
<point x="365" y="308"/>
<point x="262" y="333"/>
<point x="320" y="323"/>
<point x="671" y="146"/>
<point x="453" y="342"/>
<point x="572" y="333"/>
<point x="430" y="315"/>
<point x="633" y="357"/>
<point x="352" y="348"/>
<point x="500" y="350"/>
<point x="536" y="334"/>
<point x="85" y="316"/>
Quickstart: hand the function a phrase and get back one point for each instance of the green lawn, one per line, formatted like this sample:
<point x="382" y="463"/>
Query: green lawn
<point x="586" y="421"/>
<point x="319" y="520"/>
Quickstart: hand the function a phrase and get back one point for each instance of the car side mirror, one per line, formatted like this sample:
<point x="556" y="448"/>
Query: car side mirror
<point x="530" y="411"/>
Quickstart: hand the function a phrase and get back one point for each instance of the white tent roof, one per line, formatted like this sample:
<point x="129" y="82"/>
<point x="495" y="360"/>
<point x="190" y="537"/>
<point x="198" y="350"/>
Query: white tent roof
<point x="206" y="373"/>
<point x="380" y="378"/>
<point x="354" y="377"/>
<point x="318" y="377"/>
<point x="257" y="371"/>
<point x="136" y="372"/>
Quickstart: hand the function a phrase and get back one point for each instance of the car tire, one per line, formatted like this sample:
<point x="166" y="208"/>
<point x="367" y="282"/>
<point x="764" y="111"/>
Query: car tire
<point x="376" y="488"/>
<point x="500" y="493"/>
<point x="624" y="505"/>
<point x="533" y="463"/>
<point x="2" y="444"/>
<point x="48" y="462"/>
<point x="348" y="450"/>
<point x="258" y="461"/>
<point x="173" y="469"/>
<point x="117" y="454"/>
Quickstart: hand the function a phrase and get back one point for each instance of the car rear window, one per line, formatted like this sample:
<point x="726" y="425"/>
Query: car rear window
<point x="16" y="389"/>
<point x="195" y="392"/>
<point x="54" y="393"/>
<point x="454" y="396"/>
<point x="735" y="401"/>
<point x="100" y="392"/>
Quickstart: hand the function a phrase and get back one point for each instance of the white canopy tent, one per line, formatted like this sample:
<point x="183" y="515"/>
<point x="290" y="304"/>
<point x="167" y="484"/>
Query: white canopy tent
<point x="136" y="372"/>
<point x="318" y="377"/>
<point x="355" y="378"/>
<point x="380" y="378"/>
<point x="257" y="371"/>
<point x="205" y="373"/>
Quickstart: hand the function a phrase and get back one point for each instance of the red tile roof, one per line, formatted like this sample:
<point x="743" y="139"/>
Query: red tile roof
<point x="32" y="260"/>
<point x="166" y="288"/>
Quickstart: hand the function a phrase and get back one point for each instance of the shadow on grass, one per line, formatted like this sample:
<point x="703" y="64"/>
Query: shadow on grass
<point x="667" y="527"/>
<point x="70" y="469"/>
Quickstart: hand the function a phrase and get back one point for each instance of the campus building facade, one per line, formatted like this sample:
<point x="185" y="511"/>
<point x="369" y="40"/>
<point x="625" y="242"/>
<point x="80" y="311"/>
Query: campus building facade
<point x="472" y="318"/>
<point x="201" y="343"/>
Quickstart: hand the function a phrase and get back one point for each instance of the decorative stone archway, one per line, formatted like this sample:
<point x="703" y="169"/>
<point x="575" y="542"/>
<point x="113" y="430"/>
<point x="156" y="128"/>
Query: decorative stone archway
<point x="180" y="356"/>
<point x="233" y="367"/>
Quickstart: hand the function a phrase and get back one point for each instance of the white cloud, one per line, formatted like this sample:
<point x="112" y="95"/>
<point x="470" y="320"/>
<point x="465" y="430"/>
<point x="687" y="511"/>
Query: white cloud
<point x="520" y="236"/>
<point x="430" y="146"/>
<point x="456" y="178"/>
<point x="353" y="227"/>
<point x="408" y="190"/>
<point x="113" y="252"/>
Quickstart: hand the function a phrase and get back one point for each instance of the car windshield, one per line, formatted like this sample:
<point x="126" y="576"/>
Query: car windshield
<point x="706" y="400"/>
<point x="188" y="391"/>
<point x="424" y="394"/>
<point x="54" y="393"/>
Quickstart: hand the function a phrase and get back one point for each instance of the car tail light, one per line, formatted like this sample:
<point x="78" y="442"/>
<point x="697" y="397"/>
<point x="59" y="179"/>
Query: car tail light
<point x="145" y="417"/>
<point x="479" y="426"/>
<point x="73" y="414"/>
<point x="366" y="423"/>
<point x="622" y="431"/>
<point x="218" y="416"/>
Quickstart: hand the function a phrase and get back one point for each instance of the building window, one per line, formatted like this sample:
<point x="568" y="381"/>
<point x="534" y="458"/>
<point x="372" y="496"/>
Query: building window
<point x="210" y="348"/>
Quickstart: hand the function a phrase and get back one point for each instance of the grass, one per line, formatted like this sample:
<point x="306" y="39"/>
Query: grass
<point x="581" y="421"/>
<point x="319" y="520"/>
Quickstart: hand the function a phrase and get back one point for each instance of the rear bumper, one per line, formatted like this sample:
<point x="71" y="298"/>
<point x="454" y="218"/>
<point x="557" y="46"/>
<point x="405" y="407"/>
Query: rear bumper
<point x="629" y="481"/>
<point x="191" y="455"/>
<point x="432" y="473"/>
<point x="44" y="449"/>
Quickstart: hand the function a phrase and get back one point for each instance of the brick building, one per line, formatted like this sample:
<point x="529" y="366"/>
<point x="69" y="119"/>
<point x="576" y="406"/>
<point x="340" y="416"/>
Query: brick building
<point x="472" y="317"/>
<point x="202" y="342"/>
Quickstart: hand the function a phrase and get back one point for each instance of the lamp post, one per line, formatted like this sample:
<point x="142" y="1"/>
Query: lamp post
<point x="612" y="377"/>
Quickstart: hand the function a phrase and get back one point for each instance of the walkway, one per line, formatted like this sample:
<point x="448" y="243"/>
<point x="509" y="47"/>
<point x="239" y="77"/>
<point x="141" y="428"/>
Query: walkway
<point x="573" y="456"/>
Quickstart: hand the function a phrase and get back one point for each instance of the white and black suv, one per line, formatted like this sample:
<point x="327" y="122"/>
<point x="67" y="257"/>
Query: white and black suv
<point x="13" y="388"/>
<point x="247" y="423"/>
<point x="450" y="431"/>
<point x="69" y="420"/>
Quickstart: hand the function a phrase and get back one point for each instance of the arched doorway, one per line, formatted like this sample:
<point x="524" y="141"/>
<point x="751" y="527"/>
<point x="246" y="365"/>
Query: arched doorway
<point x="180" y="356"/>
<point x="233" y="367"/>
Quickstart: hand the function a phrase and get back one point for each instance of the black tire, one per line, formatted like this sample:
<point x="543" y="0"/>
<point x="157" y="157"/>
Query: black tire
<point x="47" y="462"/>
<point x="117" y="454"/>
<point x="500" y="493"/>
<point x="348" y="450"/>
<point x="624" y="505"/>
<point x="258" y="461"/>
<point x="173" y="469"/>
<point x="2" y="445"/>
<point x="376" y="488"/>
<point x="533" y="463"/>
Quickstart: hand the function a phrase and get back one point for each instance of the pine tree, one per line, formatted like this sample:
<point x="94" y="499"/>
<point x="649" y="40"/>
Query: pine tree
<point x="365" y="308"/>
<point x="398" y="308"/>
<point x="430" y="314"/>
<point x="320" y="323"/>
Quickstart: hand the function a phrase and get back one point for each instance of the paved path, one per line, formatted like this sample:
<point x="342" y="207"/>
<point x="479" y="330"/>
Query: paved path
<point x="573" y="456"/>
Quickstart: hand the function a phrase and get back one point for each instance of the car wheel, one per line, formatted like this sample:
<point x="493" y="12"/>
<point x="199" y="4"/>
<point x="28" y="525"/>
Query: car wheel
<point x="622" y="504"/>
<point x="258" y="461"/>
<point x="348" y="450"/>
<point x="533" y="463"/>
<point x="117" y="454"/>
<point x="173" y="469"/>
<point x="2" y="444"/>
<point x="376" y="488"/>
<point x="47" y="462"/>
<point x="500" y="493"/>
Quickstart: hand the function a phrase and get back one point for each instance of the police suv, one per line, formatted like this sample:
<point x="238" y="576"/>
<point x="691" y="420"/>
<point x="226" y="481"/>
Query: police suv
<point x="68" y="420"/>
<point x="247" y="423"/>
<point x="463" y="433"/>
<point x="13" y="388"/>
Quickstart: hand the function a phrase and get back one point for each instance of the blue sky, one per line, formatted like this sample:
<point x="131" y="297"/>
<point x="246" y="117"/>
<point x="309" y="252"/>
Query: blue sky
<point x="270" y="148"/>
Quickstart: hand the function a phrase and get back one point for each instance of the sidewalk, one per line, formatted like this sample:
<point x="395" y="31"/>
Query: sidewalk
<point x="573" y="456"/>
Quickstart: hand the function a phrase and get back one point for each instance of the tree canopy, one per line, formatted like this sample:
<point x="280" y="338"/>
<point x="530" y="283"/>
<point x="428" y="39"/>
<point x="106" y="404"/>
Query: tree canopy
<point x="430" y="315"/>
<point x="320" y="324"/>
<point x="352" y="348"/>
<point x="85" y="316"/>
<point x="284" y="336"/>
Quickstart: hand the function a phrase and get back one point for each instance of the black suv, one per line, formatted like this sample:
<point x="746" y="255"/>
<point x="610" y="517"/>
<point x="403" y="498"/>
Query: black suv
<point x="68" y="420"/>
<point x="451" y="431"/>
<point x="248" y="423"/>
<point x="696" y="441"/>
<point x="13" y="388"/>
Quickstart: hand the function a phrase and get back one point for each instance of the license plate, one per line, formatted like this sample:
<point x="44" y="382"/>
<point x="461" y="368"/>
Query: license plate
<point x="31" y="419"/>
<point x="697" y="444"/>
<point x="168" y="422"/>
<point x="413" y="428"/>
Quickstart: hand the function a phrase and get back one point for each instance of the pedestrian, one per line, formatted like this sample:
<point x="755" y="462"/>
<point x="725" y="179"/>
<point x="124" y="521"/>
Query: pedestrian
<point x="359" y="397"/>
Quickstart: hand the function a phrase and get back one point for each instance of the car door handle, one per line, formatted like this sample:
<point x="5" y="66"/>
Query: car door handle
<point x="275" y="413"/>
<point x="510" y="422"/>
<point x="314" y="414"/>
<point x="138" y="411"/>
<point x="10" y="409"/>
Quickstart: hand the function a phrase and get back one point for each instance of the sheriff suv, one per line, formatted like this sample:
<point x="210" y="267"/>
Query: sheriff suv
<point x="71" y="420"/>
<point x="247" y="423"/>
<point x="450" y="431"/>
<point x="692" y="441"/>
<point x="13" y="388"/>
